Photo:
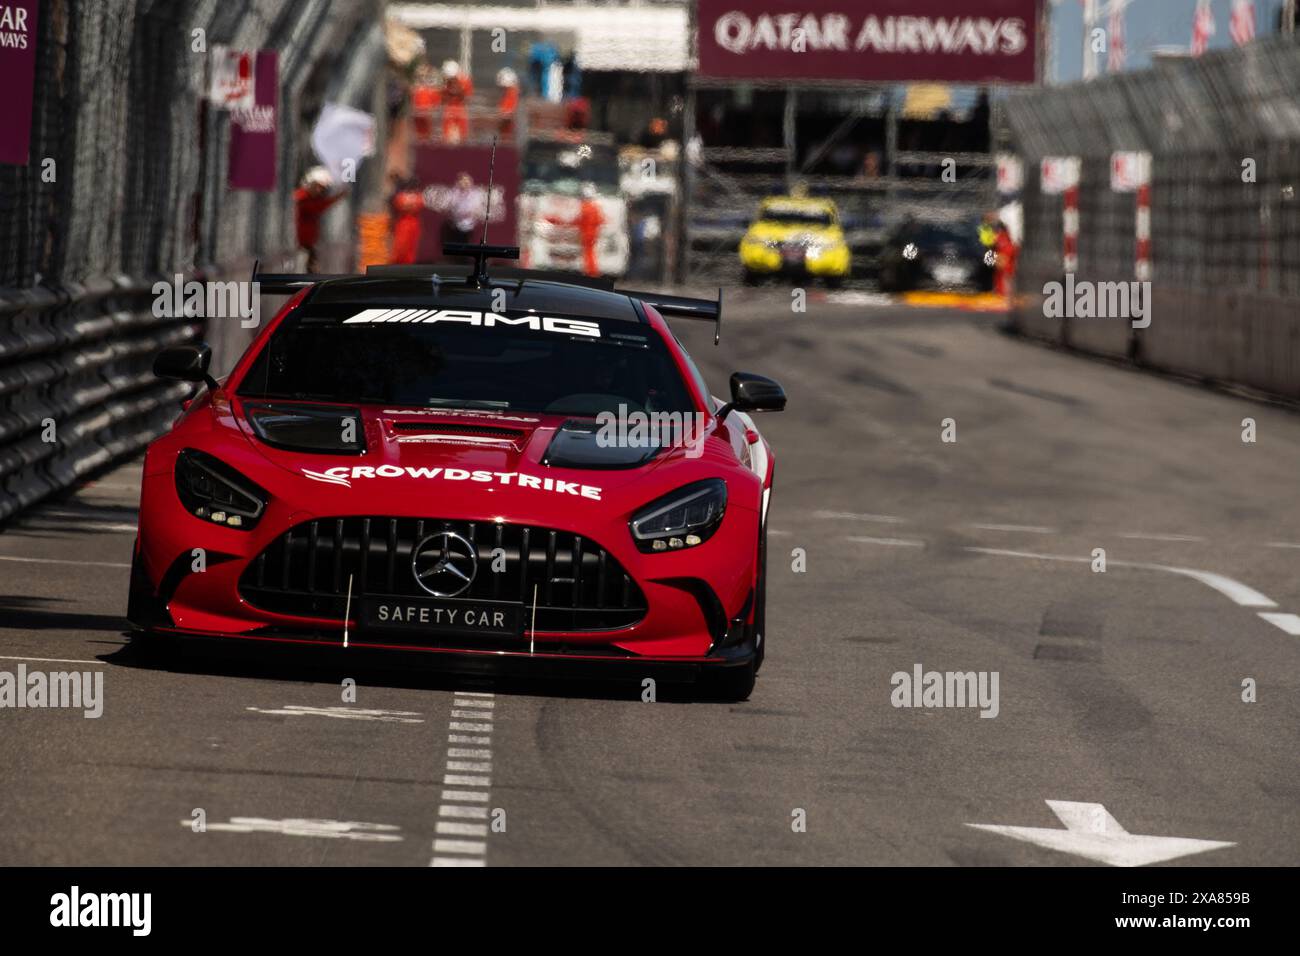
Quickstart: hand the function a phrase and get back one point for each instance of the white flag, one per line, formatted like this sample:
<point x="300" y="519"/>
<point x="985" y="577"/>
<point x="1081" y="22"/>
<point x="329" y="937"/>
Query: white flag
<point x="341" y="138"/>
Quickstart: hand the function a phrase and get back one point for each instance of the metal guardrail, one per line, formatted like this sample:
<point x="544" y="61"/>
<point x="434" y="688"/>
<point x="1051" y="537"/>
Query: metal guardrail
<point x="76" y="387"/>
<point x="139" y="193"/>
<point x="1223" y="131"/>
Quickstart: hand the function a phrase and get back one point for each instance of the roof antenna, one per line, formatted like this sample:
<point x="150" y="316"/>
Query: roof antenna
<point x="487" y="208"/>
<point x="480" y="253"/>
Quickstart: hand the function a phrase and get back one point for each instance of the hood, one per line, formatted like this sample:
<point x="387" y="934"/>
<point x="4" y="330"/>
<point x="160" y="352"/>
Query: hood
<point x="520" y="465"/>
<point x="786" y="232"/>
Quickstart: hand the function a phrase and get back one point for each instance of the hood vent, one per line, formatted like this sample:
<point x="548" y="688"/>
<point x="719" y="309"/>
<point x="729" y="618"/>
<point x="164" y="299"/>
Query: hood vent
<point x="459" y="431"/>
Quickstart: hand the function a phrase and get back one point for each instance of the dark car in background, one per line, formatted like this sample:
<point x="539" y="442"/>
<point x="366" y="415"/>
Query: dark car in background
<point x="934" y="256"/>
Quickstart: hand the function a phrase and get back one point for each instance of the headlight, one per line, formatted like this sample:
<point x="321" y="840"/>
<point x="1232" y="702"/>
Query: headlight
<point x="683" y="519"/>
<point x="216" y="492"/>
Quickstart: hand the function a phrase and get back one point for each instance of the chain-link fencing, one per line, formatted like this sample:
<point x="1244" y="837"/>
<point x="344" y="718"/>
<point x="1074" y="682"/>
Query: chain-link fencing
<point x="1223" y="131"/>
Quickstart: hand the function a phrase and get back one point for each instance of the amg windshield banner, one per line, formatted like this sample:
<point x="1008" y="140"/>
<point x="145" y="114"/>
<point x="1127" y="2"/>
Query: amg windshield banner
<point x="17" y="73"/>
<point x="949" y="41"/>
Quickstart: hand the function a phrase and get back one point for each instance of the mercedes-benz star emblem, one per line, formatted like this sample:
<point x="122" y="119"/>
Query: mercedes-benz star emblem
<point x="444" y="564"/>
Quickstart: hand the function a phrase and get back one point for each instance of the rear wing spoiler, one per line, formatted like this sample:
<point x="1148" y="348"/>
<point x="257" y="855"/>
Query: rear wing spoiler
<point x="287" y="283"/>
<point x="671" y="306"/>
<point x="683" y="307"/>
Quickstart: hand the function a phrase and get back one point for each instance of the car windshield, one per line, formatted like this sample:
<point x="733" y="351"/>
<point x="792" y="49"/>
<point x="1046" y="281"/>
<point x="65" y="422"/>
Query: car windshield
<point x="563" y="168"/>
<point x="467" y="359"/>
<point x="788" y="216"/>
<point x="930" y="236"/>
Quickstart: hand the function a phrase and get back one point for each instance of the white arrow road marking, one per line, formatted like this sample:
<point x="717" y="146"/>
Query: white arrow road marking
<point x="1091" y="832"/>
<point x="328" y="829"/>
<point x="344" y="713"/>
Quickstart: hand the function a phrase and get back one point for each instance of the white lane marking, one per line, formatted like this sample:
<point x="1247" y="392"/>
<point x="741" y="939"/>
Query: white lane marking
<point x="1281" y="544"/>
<point x="328" y="829"/>
<point x="466" y="767"/>
<point x="79" y="526"/>
<point x="1092" y="833"/>
<point x="344" y="713"/>
<point x="1025" y="528"/>
<point x="1287" y="622"/>
<point x="894" y="542"/>
<point x="859" y="297"/>
<point x="52" y="660"/>
<point x="84" y="564"/>
<point x="1141" y="536"/>
<point x="452" y="828"/>
<point x="98" y="512"/>
<point x="454" y="795"/>
<point x="779" y="534"/>
<point x="465" y="813"/>
<point x="1236" y="591"/>
<point x="465" y="780"/>
<point x="854" y="516"/>
<point x="460" y="846"/>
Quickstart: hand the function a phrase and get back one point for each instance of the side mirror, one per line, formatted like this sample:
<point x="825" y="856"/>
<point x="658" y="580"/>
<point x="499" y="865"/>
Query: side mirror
<point x="753" y="393"/>
<point x="185" y="363"/>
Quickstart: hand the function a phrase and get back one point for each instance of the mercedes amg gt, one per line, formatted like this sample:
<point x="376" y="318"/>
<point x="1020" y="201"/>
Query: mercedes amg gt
<point x="414" y="460"/>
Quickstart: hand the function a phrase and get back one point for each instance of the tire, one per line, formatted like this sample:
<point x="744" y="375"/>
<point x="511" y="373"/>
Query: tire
<point x="750" y="278"/>
<point x="834" y="282"/>
<point x="760" y="605"/>
<point x="151" y="648"/>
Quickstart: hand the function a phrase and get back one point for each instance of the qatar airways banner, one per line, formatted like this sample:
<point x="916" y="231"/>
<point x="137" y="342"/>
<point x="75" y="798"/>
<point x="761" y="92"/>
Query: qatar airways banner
<point x="252" y="129"/>
<point x="945" y="41"/>
<point x="17" y="75"/>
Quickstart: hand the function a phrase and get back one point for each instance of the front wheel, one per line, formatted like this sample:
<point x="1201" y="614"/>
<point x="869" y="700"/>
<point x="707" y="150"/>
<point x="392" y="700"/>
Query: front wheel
<point x="760" y="604"/>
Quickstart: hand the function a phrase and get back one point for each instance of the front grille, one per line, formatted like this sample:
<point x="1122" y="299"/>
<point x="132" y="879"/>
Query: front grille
<point x="579" y="586"/>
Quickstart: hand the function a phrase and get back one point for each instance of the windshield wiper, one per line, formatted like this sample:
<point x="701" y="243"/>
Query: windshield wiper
<point x="490" y="404"/>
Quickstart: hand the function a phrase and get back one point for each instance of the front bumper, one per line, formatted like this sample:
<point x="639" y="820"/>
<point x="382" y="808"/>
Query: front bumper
<point x="698" y="602"/>
<point x="765" y="260"/>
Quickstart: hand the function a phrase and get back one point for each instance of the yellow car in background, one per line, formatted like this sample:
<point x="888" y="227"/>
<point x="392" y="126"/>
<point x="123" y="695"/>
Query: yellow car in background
<point x="796" y="236"/>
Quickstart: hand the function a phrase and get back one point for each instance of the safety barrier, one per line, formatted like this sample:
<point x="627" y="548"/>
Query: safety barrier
<point x="126" y="185"/>
<point x="1223" y="133"/>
